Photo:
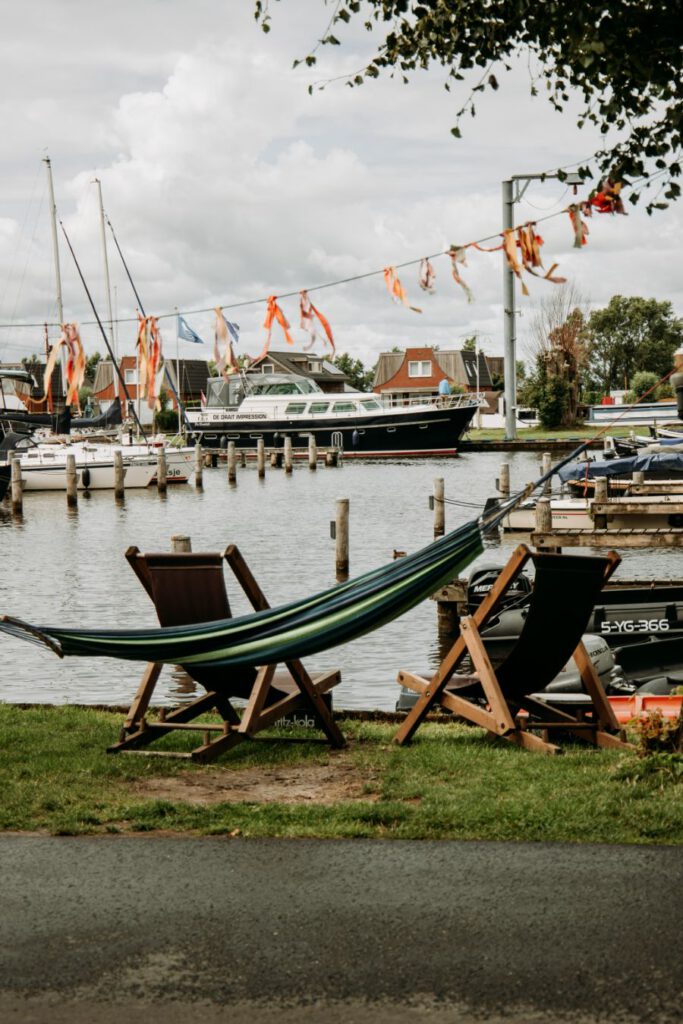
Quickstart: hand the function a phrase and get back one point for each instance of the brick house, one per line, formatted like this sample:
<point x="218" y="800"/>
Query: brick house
<point x="418" y="372"/>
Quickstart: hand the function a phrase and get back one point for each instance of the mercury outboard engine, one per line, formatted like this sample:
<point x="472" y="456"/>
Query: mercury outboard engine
<point x="481" y="581"/>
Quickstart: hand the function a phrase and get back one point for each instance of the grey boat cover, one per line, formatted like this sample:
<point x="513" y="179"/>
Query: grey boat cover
<point x="664" y="463"/>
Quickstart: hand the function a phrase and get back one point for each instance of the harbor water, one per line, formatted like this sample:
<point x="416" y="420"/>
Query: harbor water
<point x="68" y="568"/>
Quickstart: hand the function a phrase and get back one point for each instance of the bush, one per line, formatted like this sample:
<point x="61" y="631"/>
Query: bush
<point x="166" y="419"/>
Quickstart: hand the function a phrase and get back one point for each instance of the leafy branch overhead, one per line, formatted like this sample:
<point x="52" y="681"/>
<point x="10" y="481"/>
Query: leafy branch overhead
<point x="622" y="58"/>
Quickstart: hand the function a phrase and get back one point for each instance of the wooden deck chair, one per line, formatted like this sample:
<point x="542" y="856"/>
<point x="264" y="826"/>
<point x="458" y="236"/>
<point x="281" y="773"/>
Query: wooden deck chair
<point x="566" y="588"/>
<point x="188" y="588"/>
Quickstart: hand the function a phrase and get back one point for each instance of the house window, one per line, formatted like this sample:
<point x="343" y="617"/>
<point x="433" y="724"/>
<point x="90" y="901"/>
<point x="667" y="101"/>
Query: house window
<point x="267" y="368"/>
<point x="131" y="376"/>
<point x="420" y="368"/>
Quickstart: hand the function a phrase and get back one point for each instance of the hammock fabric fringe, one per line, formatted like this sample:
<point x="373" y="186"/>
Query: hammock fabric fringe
<point x="296" y="630"/>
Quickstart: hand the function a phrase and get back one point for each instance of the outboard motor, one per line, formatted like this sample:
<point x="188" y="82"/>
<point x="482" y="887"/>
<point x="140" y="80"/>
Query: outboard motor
<point x="481" y="581"/>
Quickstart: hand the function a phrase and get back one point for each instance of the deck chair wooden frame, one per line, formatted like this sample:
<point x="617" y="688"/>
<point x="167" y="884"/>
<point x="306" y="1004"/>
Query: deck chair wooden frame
<point x="504" y="718"/>
<point x="269" y="694"/>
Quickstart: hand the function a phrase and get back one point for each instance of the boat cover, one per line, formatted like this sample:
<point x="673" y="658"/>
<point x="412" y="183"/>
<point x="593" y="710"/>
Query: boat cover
<point x="666" y="463"/>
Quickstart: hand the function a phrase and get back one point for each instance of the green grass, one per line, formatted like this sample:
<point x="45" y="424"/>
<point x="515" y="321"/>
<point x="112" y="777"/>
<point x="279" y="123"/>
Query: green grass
<point x="55" y="777"/>
<point x="544" y="434"/>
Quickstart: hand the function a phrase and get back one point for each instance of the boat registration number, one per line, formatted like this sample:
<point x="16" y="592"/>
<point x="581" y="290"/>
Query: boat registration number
<point x="636" y="626"/>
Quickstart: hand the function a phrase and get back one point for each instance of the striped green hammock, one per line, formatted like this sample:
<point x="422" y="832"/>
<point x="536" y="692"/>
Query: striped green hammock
<point x="334" y="616"/>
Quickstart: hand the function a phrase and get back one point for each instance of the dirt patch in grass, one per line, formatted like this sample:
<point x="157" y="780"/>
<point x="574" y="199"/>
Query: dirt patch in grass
<point x="305" y="783"/>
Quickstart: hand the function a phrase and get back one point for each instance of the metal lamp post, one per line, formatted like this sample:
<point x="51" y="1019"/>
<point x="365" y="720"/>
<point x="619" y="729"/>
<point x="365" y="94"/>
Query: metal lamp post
<point x="513" y="190"/>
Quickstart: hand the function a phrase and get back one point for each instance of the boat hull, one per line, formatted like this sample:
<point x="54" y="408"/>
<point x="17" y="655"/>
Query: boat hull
<point x="415" y="432"/>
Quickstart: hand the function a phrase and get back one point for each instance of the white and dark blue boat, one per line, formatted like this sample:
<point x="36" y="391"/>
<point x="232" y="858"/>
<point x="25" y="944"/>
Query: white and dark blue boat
<point x="274" y="406"/>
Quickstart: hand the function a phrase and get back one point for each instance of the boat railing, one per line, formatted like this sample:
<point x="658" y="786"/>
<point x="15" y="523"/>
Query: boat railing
<point x="464" y="400"/>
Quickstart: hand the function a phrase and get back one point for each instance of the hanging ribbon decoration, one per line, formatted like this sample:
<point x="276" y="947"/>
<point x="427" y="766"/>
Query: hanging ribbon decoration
<point x="148" y="347"/>
<point x="307" y="322"/>
<point x="484" y="248"/>
<point x="273" y="312"/>
<point x="608" y="199"/>
<point x="530" y="247"/>
<point x="510" y="249"/>
<point x="396" y="289"/>
<point x="579" y="225"/>
<point x="458" y="256"/>
<point x="222" y="345"/>
<point x="75" y="364"/>
<point x="426" y="276"/>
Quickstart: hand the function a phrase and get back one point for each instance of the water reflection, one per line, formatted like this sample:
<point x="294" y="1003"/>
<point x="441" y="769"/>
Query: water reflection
<point x="70" y="570"/>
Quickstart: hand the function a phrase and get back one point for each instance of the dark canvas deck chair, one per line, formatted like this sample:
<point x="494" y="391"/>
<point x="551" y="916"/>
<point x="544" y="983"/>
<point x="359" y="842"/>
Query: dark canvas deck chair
<point x="189" y="588"/>
<point x="566" y="588"/>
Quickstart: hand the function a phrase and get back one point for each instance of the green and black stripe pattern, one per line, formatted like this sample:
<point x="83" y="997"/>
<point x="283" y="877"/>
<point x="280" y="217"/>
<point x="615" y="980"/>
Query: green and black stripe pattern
<point x="332" y="617"/>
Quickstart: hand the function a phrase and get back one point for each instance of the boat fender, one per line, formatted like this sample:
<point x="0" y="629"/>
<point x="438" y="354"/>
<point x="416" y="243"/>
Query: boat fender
<point x="354" y="438"/>
<point x="85" y="478"/>
<point x="223" y="441"/>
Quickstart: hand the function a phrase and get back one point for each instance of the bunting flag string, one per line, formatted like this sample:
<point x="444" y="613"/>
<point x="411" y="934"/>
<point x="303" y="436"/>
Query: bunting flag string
<point x="458" y="255"/>
<point x="426" y="276"/>
<point x="396" y="289"/>
<point x="223" y="353"/>
<point x="307" y="322"/>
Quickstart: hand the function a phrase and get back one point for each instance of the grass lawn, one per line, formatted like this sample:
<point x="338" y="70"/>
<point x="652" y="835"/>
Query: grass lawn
<point x="55" y="777"/>
<point x="544" y="434"/>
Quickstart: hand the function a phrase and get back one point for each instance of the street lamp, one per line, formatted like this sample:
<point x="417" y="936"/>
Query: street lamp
<point x="513" y="190"/>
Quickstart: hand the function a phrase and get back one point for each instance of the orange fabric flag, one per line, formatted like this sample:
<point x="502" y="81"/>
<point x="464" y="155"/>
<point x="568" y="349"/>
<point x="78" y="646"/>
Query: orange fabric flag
<point x="307" y="322"/>
<point x="510" y="249"/>
<point x="148" y="346"/>
<point x="396" y="289"/>
<point x="579" y="225"/>
<point x="273" y="312"/>
<point x="74" y="372"/>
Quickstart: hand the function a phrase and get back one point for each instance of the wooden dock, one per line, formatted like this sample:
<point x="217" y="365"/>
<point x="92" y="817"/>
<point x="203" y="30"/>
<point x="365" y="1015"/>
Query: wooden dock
<point x="554" y="539"/>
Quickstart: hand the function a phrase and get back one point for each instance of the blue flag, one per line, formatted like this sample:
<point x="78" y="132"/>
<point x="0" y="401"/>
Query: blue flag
<point x="186" y="333"/>
<point x="234" y="331"/>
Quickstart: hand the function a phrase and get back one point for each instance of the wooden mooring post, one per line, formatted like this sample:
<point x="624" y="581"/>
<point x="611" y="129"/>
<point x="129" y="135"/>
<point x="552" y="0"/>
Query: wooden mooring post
<point x="17" y="489"/>
<point x="232" y="463"/>
<point x="546" y="466"/>
<point x="261" y="457"/>
<point x="288" y="454"/>
<point x="341" y="533"/>
<point x="312" y="453"/>
<point x="600" y="494"/>
<point x="439" y="508"/>
<point x="162" y="472"/>
<point x="504" y="480"/>
<point x="198" y="466"/>
<point x="180" y="543"/>
<point x="71" y="481"/>
<point x="119" y="476"/>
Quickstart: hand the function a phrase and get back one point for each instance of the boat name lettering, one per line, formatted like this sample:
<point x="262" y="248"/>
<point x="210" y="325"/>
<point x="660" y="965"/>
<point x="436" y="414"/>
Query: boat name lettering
<point x="636" y="626"/>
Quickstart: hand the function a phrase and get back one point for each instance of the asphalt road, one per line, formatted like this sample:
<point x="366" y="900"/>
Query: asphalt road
<point x="179" y="929"/>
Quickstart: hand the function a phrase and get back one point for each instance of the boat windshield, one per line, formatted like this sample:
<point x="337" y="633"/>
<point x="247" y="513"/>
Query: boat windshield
<point x="292" y="386"/>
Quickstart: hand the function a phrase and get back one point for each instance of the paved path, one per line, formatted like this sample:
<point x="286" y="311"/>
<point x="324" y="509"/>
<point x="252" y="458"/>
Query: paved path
<point x="178" y="929"/>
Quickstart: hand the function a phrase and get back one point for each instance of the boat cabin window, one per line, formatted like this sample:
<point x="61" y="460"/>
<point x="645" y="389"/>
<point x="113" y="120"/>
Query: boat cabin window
<point x="344" y="407"/>
<point x="295" y="408"/>
<point x="316" y="408"/>
<point x="371" y="405"/>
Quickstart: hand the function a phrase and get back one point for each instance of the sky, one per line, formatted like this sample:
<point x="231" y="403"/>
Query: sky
<point x="226" y="182"/>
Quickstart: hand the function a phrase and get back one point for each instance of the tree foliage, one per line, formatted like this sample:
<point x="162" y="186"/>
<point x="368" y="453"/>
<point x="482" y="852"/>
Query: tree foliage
<point x="628" y="335"/>
<point x="359" y="378"/>
<point x="622" y="58"/>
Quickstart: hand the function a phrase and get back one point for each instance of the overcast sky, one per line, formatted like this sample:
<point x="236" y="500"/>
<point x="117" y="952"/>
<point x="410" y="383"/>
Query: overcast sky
<point x="226" y="182"/>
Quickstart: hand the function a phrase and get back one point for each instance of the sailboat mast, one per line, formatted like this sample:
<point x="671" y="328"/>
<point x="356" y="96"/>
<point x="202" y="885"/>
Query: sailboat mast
<point x="106" y="269"/>
<point x="55" y="244"/>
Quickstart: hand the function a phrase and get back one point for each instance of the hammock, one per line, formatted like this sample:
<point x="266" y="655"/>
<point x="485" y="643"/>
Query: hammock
<point x="334" y="616"/>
